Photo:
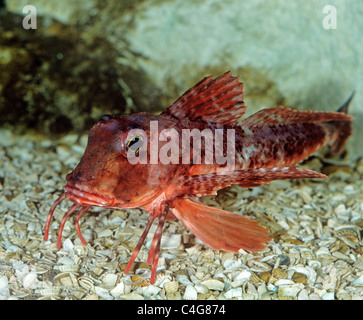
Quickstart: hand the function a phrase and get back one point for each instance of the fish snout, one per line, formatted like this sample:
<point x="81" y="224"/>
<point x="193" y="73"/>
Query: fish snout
<point x="76" y="194"/>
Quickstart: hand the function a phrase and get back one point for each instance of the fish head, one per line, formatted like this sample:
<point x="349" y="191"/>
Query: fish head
<point x="110" y="173"/>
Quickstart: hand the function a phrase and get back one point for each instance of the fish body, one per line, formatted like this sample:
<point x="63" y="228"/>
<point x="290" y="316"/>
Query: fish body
<point x="147" y="161"/>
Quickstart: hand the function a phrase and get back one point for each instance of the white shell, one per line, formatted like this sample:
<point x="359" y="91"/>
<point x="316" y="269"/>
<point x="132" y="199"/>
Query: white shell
<point x="109" y="281"/>
<point x="329" y="296"/>
<point x="231" y="264"/>
<point x="171" y="242"/>
<point x="4" y="282"/>
<point x="201" y="288"/>
<point x="4" y="288"/>
<point x="150" y="291"/>
<point x="67" y="279"/>
<point x="314" y="264"/>
<point x="309" y="272"/>
<point x="213" y="284"/>
<point x="190" y="293"/>
<point x="171" y="286"/>
<point x="30" y="281"/>
<point x="103" y="293"/>
<point x="358" y="281"/>
<point x="183" y="279"/>
<point x="341" y="212"/>
<point x="86" y="283"/>
<point x="233" y="293"/>
<point x="244" y="275"/>
<point x="132" y="296"/>
<point x="67" y="268"/>
<point x="161" y="279"/>
<point x="283" y="282"/>
<point x="68" y="245"/>
<point x="323" y="251"/>
<point x="290" y="290"/>
<point x="50" y="292"/>
<point x="118" y="290"/>
<point x="303" y="295"/>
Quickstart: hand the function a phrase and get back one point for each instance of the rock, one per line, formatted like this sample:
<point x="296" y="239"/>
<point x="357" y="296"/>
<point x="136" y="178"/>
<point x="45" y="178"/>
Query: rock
<point x="169" y="45"/>
<point x="52" y="80"/>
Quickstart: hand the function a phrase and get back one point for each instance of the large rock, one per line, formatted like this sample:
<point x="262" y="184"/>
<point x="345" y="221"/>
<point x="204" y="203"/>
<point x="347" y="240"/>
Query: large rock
<point x="280" y="49"/>
<point x="52" y="80"/>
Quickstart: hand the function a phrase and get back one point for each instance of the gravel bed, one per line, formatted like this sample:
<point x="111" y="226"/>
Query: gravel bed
<point x="316" y="251"/>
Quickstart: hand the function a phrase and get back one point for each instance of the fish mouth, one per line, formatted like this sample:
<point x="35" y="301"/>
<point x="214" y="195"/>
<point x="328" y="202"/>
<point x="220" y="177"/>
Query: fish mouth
<point x="77" y="195"/>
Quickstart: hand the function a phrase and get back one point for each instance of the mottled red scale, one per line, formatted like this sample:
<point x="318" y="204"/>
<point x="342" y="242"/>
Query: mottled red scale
<point x="268" y="145"/>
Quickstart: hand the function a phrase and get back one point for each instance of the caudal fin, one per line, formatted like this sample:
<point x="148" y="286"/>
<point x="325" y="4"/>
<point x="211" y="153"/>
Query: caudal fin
<point x="220" y="229"/>
<point x="340" y="130"/>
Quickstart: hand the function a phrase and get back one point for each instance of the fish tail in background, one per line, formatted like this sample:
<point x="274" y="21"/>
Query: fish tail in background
<point x="220" y="229"/>
<point x="340" y="131"/>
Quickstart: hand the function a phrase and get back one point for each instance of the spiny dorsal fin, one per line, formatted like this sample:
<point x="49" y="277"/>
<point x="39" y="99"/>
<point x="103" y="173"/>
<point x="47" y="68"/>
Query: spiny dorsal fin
<point x="217" y="100"/>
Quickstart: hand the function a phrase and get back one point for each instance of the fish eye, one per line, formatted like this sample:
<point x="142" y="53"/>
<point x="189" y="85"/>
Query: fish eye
<point x="134" y="144"/>
<point x="106" y="117"/>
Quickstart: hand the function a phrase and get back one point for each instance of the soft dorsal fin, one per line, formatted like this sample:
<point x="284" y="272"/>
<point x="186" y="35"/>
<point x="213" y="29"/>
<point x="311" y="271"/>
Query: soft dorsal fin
<point x="281" y="115"/>
<point x="217" y="100"/>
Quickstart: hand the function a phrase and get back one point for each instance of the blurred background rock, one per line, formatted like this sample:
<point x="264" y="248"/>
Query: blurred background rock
<point x="89" y="58"/>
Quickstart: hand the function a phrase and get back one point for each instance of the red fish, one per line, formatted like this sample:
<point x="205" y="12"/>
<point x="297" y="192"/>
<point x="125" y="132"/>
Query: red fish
<point x="267" y="147"/>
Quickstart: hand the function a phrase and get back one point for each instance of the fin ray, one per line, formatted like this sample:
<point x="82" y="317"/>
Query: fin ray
<point x="218" y="100"/>
<point x="281" y="115"/>
<point x="220" y="229"/>
<point x="209" y="184"/>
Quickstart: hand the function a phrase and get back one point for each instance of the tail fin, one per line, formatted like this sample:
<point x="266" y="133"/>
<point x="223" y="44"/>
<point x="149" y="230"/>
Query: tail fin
<point x="345" y="106"/>
<point x="220" y="229"/>
<point x="340" y="130"/>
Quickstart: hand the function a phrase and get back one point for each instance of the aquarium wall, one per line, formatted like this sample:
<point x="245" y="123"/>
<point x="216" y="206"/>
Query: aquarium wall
<point x="85" y="59"/>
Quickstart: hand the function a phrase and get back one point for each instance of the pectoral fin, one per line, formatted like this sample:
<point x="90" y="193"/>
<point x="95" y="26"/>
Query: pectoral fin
<point x="218" y="228"/>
